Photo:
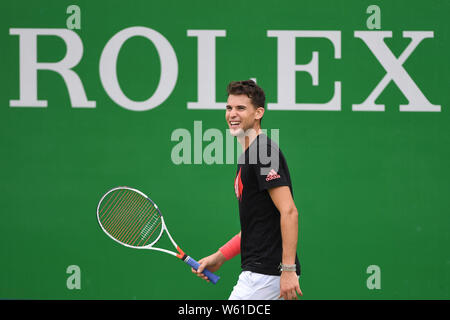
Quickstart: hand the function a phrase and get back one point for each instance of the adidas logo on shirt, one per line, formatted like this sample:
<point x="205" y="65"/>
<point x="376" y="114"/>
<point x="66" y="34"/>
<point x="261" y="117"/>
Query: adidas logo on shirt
<point x="272" y="175"/>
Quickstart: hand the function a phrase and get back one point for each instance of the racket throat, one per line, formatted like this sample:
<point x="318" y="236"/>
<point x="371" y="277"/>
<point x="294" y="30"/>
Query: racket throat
<point x="181" y="254"/>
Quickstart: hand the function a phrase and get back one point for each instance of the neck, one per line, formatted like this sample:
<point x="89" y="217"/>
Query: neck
<point x="248" y="137"/>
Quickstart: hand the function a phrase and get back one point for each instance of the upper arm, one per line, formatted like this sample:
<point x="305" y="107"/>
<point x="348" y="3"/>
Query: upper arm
<point x="282" y="198"/>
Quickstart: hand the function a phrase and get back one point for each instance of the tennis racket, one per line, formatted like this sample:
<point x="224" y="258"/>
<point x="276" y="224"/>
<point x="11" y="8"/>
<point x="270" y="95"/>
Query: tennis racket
<point x="132" y="219"/>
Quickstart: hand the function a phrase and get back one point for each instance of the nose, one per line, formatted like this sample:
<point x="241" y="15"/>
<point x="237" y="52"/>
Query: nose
<point x="233" y="113"/>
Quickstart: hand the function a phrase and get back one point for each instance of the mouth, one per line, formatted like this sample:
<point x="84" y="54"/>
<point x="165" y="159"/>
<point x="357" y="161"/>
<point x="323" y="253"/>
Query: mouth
<point x="234" y="124"/>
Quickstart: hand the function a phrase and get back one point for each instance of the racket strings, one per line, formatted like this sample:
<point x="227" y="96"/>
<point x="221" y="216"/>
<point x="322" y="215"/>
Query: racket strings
<point x="119" y="213"/>
<point x="111" y="216"/>
<point x="132" y="232"/>
<point x="109" y="202"/>
<point x="124" y="215"/>
<point x="149" y="229"/>
<point x="129" y="217"/>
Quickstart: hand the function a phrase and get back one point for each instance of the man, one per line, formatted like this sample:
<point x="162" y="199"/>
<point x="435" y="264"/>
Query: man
<point x="269" y="219"/>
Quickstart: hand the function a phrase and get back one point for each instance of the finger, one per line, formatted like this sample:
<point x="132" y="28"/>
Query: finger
<point x="201" y="267"/>
<point x="203" y="277"/>
<point x="288" y="295"/>
<point x="199" y="274"/>
<point x="299" y="291"/>
<point x="291" y="294"/>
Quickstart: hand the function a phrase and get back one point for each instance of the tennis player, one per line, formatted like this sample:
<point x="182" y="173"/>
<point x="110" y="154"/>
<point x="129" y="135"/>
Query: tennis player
<point x="267" y="241"/>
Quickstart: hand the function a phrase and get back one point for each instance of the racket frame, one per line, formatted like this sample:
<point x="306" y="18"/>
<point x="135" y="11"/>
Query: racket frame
<point x="181" y="255"/>
<point x="163" y="225"/>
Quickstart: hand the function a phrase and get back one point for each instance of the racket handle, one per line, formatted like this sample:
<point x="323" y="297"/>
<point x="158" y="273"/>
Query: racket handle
<point x="194" y="264"/>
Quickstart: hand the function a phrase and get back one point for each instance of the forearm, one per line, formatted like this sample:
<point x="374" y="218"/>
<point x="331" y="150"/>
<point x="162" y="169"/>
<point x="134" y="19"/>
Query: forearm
<point x="289" y="235"/>
<point x="232" y="248"/>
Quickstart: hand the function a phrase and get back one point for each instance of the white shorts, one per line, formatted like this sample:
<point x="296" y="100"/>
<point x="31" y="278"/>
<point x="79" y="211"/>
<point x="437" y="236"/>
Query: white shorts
<point x="256" y="286"/>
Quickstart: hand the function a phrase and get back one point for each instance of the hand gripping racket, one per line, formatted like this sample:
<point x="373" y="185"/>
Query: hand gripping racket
<point x="132" y="219"/>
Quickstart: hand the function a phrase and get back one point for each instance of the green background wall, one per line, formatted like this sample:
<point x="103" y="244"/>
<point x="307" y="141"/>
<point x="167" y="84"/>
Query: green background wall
<point x="372" y="188"/>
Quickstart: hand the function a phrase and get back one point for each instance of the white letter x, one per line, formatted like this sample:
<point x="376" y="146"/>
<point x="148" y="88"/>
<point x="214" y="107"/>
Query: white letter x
<point x="395" y="71"/>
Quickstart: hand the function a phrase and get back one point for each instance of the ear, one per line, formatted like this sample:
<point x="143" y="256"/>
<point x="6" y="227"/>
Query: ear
<point x="259" y="113"/>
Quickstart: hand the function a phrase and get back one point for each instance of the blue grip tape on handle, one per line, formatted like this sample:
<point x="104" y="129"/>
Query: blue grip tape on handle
<point x="194" y="264"/>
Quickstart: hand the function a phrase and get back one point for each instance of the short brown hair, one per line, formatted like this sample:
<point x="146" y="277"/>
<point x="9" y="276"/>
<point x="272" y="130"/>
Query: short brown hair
<point x="250" y="89"/>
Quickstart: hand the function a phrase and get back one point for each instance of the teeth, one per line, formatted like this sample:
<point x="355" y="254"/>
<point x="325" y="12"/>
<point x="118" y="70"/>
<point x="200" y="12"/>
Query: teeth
<point x="234" y="122"/>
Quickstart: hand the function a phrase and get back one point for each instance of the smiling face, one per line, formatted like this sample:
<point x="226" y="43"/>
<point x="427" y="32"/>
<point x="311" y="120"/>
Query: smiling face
<point x="242" y="115"/>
